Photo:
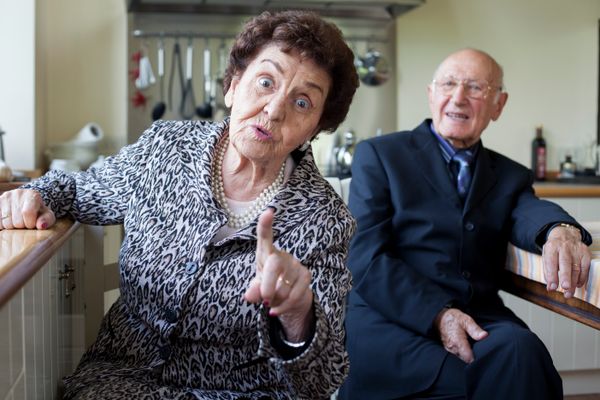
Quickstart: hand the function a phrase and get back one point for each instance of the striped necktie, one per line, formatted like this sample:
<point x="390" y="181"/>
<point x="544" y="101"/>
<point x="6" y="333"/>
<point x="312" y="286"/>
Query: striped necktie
<point x="464" y="158"/>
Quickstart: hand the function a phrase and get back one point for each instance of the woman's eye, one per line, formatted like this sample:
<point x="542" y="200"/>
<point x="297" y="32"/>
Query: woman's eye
<point x="265" y="82"/>
<point x="302" y="103"/>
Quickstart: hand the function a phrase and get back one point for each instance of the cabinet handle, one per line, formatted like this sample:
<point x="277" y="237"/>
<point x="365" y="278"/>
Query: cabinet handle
<point x="66" y="272"/>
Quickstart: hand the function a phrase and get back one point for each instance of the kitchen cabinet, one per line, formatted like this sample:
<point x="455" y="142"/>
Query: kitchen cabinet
<point x="43" y="322"/>
<point x="575" y="348"/>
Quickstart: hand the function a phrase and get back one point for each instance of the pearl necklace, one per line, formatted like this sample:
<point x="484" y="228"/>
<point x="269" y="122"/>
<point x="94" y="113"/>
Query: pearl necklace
<point x="240" y="220"/>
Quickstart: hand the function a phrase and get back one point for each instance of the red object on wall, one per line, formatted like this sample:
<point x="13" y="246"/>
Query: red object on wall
<point x="135" y="57"/>
<point x="138" y="99"/>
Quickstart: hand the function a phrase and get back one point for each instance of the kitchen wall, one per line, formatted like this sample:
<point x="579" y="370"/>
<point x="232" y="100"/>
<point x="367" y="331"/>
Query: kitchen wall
<point x="17" y="81"/>
<point x="85" y="70"/>
<point x="63" y="64"/>
<point x="549" y="51"/>
<point x="373" y="107"/>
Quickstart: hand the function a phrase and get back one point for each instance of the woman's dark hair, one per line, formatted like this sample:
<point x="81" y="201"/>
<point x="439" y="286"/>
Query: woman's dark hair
<point x="311" y="36"/>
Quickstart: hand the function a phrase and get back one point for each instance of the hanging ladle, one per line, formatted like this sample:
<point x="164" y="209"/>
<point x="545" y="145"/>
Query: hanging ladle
<point x="159" y="109"/>
<point x="206" y="110"/>
<point x="373" y="69"/>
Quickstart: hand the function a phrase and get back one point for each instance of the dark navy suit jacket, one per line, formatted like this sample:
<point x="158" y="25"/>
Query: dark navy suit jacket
<point x="417" y="248"/>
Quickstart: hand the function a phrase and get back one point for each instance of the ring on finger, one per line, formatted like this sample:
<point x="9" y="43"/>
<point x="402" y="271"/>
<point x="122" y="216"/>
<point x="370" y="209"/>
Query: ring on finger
<point x="282" y="279"/>
<point x="7" y="216"/>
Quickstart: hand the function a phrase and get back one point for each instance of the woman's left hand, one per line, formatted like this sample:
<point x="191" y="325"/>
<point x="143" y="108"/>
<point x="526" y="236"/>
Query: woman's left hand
<point x="281" y="283"/>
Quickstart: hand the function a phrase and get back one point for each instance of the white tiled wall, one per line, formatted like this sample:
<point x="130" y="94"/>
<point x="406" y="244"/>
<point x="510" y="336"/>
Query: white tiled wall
<point x="575" y="348"/>
<point x="41" y="338"/>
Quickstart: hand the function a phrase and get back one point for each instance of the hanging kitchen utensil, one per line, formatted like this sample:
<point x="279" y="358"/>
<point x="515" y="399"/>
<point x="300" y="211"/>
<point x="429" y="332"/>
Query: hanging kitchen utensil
<point x="206" y="110"/>
<point x="188" y="103"/>
<point x="176" y="67"/>
<point x="145" y="77"/>
<point x="218" y="96"/>
<point x="159" y="109"/>
<point x="373" y="69"/>
<point x="2" y="145"/>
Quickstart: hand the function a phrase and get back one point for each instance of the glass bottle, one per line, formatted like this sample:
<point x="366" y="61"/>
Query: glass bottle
<point x="538" y="155"/>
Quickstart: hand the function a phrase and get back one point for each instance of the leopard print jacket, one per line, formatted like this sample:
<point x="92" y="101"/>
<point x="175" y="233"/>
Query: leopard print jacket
<point x="181" y="328"/>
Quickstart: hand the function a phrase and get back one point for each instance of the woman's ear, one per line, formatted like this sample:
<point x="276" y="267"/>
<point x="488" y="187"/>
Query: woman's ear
<point x="230" y="92"/>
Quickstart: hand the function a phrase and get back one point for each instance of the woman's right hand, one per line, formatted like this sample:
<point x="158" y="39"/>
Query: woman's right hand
<point x="24" y="208"/>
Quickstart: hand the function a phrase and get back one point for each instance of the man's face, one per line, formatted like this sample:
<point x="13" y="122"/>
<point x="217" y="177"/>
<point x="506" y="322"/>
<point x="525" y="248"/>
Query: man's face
<point x="465" y="96"/>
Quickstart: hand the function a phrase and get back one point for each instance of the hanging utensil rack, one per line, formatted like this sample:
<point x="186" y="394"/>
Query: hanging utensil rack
<point x="182" y="34"/>
<point x="221" y="35"/>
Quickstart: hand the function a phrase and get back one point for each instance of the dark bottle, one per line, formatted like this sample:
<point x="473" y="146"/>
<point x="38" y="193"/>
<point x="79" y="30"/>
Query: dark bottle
<point x="538" y="155"/>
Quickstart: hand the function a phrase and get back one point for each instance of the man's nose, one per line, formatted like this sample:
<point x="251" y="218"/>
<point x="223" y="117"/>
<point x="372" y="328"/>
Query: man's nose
<point x="460" y="93"/>
<point x="275" y="107"/>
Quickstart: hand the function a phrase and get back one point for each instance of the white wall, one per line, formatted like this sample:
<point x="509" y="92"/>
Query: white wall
<point x="17" y="81"/>
<point x="549" y="51"/>
<point x="62" y="65"/>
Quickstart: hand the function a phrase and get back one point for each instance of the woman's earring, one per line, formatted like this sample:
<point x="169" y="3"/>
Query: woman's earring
<point x="304" y="146"/>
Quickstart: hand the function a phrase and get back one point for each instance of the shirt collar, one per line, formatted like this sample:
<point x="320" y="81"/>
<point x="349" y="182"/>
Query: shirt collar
<point x="448" y="150"/>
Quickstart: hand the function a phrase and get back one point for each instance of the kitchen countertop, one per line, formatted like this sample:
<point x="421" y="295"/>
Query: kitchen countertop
<point x="24" y="251"/>
<point x="564" y="189"/>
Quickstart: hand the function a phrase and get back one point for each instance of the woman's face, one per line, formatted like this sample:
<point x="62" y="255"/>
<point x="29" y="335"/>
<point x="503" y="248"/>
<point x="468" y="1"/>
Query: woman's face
<point x="276" y="105"/>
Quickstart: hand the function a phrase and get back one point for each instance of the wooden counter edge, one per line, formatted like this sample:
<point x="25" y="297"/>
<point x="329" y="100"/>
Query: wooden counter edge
<point x="566" y="190"/>
<point x="536" y="293"/>
<point x="26" y="267"/>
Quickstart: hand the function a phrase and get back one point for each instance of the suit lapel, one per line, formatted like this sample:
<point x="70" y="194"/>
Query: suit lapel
<point x="431" y="164"/>
<point x="484" y="179"/>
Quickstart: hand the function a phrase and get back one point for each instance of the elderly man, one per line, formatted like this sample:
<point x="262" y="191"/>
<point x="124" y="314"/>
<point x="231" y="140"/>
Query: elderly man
<point x="435" y="212"/>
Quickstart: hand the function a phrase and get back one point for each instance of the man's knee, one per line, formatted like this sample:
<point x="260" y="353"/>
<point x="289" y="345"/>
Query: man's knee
<point x="511" y="341"/>
<point x="520" y="357"/>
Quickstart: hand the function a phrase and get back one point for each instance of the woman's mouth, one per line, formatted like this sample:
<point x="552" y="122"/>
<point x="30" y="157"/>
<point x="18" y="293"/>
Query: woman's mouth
<point x="262" y="133"/>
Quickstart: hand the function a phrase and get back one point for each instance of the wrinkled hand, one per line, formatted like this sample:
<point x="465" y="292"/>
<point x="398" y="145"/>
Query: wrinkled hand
<point x="454" y="326"/>
<point x="24" y="208"/>
<point x="566" y="260"/>
<point x="281" y="283"/>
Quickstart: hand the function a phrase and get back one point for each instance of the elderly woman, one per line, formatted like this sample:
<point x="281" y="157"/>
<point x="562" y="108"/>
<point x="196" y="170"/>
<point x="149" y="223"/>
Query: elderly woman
<point x="233" y="280"/>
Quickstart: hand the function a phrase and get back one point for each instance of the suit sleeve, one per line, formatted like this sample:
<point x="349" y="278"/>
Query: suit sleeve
<point x="533" y="217"/>
<point x="382" y="279"/>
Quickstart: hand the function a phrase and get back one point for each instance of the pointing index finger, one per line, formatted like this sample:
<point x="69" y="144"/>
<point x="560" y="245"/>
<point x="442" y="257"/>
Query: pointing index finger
<point x="264" y="231"/>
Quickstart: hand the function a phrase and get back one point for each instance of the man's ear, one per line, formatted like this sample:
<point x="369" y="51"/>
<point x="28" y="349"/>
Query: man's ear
<point x="231" y="91"/>
<point x="499" y="105"/>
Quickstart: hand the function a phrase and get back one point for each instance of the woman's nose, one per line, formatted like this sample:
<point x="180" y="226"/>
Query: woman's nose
<point x="275" y="107"/>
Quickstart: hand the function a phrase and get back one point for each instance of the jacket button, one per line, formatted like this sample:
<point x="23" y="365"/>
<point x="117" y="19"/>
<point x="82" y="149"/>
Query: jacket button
<point x="170" y="315"/>
<point x="191" y="267"/>
<point x="466" y="274"/>
<point x="165" y="352"/>
<point x="469" y="226"/>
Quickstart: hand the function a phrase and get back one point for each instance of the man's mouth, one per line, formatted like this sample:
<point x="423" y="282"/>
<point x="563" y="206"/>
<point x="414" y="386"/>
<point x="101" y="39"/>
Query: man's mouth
<point x="457" y="116"/>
